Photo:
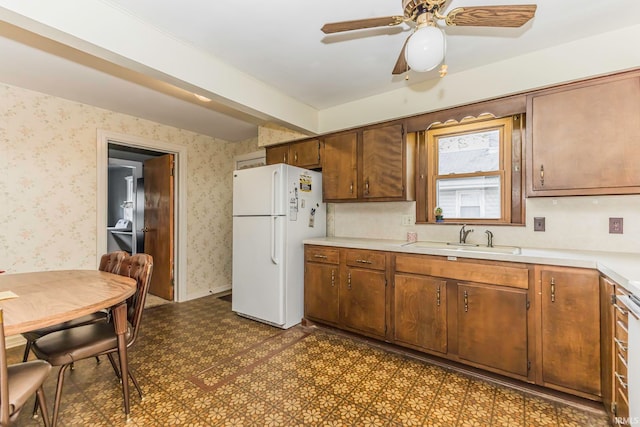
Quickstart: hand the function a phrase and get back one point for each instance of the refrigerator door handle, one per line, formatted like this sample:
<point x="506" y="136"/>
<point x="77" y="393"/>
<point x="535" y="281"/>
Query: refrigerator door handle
<point x="274" y="241"/>
<point x="274" y="190"/>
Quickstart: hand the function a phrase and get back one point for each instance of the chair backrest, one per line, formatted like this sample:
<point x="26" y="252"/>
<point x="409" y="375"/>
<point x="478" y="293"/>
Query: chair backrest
<point x="111" y="262"/>
<point x="138" y="267"/>
<point x="4" y="380"/>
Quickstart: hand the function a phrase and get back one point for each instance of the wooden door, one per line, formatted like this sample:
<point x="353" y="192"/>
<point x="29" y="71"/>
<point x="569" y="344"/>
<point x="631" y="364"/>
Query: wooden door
<point x="363" y="301"/>
<point x="305" y="154"/>
<point x="571" y="329"/>
<point x="492" y="327"/>
<point x="339" y="168"/>
<point x="383" y="162"/>
<point x="321" y="285"/>
<point x="420" y="311"/>
<point x="277" y="154"/>
<point x="158" y="222"/>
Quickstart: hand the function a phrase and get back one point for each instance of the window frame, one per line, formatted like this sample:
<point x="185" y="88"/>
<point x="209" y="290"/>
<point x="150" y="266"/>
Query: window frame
<point x="505" y="127"/>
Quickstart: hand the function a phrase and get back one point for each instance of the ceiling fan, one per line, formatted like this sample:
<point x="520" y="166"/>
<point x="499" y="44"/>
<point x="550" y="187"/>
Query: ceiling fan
<point x="425" y="48"/>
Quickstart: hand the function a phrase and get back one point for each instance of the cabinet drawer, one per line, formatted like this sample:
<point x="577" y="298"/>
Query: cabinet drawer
<point x="322" y="254"/>
<point x="366" y="259"/>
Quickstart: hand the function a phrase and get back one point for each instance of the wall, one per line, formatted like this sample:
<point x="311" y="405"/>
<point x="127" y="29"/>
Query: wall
<point x="48" y="184"/>
<point x="571" y="223"/>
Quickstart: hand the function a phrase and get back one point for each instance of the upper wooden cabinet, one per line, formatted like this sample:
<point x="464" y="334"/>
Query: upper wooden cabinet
<point x="372" y="164"/>
<point x="339" y="169"/>
<point x="305" y="154"/>
<point x="583" y="138"/>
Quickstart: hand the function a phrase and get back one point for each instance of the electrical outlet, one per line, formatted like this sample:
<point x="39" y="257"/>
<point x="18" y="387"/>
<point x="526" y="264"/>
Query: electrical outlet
<point x="407" y="220"/>
<point x="615" y="225"/>
<point x="538" y="223"/>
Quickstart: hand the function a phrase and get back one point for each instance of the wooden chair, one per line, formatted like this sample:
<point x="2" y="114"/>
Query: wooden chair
<point x="62" y="348"/>
<point x="18" y="383"/>
<point x="108" y="262"/>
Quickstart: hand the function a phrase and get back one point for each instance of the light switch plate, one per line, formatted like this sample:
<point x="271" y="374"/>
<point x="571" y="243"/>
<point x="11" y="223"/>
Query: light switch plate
<point x="615" y="225"/>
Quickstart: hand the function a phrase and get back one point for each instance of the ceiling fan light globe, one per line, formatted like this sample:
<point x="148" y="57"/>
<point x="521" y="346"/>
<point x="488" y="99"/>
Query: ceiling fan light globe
<point x="425" y="49"/>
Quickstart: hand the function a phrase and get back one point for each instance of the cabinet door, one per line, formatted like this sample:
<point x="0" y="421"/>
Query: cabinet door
<point x="571" y="329"/>
<point x="492" y="327"/>
<point x="584" y="138"/>
<point x="362" y="301"/>
<point x="305" y="154"/>
<point x="383" y="162"/>
<point x="339" y="179"/>
<point x="321" y="292"/>
<point x="277" y="154"/>
<point x="420" y="311"/>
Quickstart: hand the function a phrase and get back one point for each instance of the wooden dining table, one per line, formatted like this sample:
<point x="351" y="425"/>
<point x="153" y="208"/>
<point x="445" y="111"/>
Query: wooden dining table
<point x="36" y="300"/>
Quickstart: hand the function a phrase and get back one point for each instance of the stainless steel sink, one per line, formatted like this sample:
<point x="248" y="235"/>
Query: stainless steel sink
<point x="512" y="250"/>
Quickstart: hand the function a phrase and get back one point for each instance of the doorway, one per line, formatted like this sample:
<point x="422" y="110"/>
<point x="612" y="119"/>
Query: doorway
<point x="128" y="181"/>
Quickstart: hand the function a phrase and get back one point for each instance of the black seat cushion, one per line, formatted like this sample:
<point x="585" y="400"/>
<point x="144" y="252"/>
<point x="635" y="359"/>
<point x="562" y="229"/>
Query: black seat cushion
<point x="70" y="345"/>
<point x="100" y="316"/>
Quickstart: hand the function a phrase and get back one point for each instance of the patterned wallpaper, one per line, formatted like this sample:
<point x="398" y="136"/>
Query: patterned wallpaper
<point x="48" y="183"/>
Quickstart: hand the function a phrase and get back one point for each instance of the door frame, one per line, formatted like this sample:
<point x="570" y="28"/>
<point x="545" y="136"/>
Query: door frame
<point x="180" y="198"/>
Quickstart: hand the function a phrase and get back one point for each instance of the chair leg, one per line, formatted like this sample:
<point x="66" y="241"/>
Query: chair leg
<point x="114" y="366"/>
<point x="43" y="406"/>
<point x="56" y="403"/>
<point x="135" y="383"/>
<point x="27" y="349"/>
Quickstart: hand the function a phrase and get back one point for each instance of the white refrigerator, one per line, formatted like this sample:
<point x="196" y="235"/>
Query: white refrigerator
<point x="275" y="208"/>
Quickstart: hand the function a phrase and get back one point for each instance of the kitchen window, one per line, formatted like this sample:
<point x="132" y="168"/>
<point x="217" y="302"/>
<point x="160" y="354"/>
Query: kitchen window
<point x="470" y="170"/>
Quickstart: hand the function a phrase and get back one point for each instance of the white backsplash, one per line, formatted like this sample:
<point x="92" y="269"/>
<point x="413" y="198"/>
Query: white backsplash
<point x="571" y="223"/>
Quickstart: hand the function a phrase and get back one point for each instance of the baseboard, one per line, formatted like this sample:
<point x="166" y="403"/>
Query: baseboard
<point x="208" y="292"/>
<point x="14" y="341"/>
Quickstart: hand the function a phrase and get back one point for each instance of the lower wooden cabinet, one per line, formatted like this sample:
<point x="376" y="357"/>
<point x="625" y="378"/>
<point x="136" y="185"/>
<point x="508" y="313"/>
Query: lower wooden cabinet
<point x="363" y="301"/>
<point x="492" y="327"/>
<point x="346" y="288"/>
<point x="570" y="329"/>
<point x="321" y="284"/>
<point x="420" y="312"/>
<point x="540" y="324"/>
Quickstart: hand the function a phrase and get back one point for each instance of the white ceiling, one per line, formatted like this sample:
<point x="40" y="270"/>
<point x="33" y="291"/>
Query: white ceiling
<point x="279" y="43"/>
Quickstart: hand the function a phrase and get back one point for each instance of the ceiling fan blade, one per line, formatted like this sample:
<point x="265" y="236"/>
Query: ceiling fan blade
<point x="491" y="16"/>
<point x="401" y="63"/>
<point x="359" y="24"/>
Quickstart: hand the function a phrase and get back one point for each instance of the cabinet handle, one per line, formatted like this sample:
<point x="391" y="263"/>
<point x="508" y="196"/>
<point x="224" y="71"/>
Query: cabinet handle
<point x="542" y="175"/>
<point x="438" y="296"/>
<point x="364" y="261"/>
<point x="295" y="157"/>
<point x="621" y="310"/>
<point x="366" y="186"/>
<point x="351" y="188"/>
<point x="621" y="379"/>
<point x="333" y="278"/>
<point x="320" y="256"/>
<point x="466" y="301"/>
<point x="621" y="344"/>
<point x="284" y="158"/>
<point x="553" y="290"/>
<point x="349" y="281"/>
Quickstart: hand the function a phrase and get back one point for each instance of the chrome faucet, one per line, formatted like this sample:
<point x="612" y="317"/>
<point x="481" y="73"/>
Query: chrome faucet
<point x="464" y="233"/>
<point x="489" y="238"/>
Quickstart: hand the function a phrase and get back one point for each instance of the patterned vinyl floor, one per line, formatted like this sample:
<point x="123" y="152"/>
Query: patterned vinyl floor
<point x="201" y="365"/>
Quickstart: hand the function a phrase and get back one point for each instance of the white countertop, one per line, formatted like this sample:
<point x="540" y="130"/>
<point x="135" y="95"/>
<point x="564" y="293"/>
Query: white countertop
<point x="623" y="268"/>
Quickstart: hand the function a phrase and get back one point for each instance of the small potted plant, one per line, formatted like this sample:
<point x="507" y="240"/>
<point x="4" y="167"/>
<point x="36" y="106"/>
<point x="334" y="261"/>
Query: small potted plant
<point x="438" y="213"/>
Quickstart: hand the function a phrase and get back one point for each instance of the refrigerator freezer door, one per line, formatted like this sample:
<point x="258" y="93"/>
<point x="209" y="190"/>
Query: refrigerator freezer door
<point x="258" y="268"/>
<point x="260" y="191"/>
